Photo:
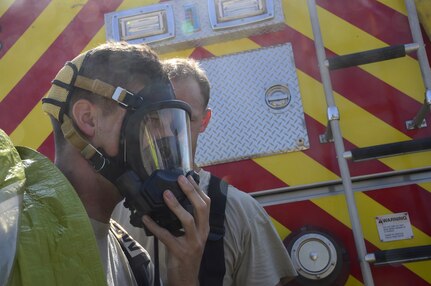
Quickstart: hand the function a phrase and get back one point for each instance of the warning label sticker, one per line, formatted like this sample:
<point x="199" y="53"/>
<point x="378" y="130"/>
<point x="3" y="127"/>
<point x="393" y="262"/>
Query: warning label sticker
<point x="394" y="227"/>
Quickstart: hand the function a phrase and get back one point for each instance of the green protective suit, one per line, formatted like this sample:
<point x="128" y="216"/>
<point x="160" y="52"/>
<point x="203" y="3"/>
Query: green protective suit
<point x="45" y="234"/>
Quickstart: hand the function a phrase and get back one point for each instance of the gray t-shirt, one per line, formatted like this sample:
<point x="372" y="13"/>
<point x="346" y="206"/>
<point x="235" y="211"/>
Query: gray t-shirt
<point x="116" y="265"/>
<point x="254" y="253"/>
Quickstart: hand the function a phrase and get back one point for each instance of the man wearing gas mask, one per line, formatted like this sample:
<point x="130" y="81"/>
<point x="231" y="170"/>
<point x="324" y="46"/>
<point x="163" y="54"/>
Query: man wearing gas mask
<point x="243" y="247"/>
<point x="119" y="132"/>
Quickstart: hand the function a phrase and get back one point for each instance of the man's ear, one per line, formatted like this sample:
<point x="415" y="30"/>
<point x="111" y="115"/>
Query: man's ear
<point x="206" y="120"/>
<point x="84" y="113"/>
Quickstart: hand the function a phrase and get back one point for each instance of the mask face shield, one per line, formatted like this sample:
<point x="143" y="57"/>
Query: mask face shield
<point x="164" y="141"/>
<point x="156" y="144"/>
<point x="156" y="133"/>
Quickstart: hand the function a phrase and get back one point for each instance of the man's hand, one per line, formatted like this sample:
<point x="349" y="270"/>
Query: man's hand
<point x="184" y="252"/>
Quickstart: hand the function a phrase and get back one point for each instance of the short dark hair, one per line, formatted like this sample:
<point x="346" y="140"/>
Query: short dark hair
<point x="117" y="63"/>
<point x="120" y="64"/>
<point x="184" y="68"/>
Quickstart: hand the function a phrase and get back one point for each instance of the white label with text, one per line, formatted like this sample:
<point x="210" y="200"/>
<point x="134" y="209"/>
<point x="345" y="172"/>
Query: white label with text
<point x="394" y="227"/>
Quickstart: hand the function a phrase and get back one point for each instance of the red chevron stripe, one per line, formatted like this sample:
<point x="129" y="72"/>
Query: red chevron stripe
<point x="356" y="84"/>
<point x="416" y="206"/>
<point x="419" y="199"/>
<point x="200" y="53"/>
<point x="47" y="148"/>
<point x="236" y="177"/>
<point x="412" y="199"/>
<point x="325" y="155"/>
<point x="376" y="19"/>
<point x="16" y="20"/>
<point x="373" y="17"/>
<point x="237" y="174"/>
<point x="290" y="216"/>
<point x="70" y="43"/>
<point x="402" y="276"/>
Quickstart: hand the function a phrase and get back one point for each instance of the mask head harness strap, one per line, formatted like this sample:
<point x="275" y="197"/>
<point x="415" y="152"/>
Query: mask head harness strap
<point x="58" y="100"/>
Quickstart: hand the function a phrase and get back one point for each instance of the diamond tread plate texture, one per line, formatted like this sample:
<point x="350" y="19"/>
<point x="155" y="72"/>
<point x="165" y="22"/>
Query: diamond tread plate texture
<point x="242" y="125"/>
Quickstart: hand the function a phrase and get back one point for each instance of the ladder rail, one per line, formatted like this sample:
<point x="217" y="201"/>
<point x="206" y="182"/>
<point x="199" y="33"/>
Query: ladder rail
<point x="417" y="38"/>
<point x="415" y="29"/>
<point x="339" y="147"/>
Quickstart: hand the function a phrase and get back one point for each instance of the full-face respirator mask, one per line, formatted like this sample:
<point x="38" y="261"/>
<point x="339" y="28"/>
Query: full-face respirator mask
<point x="157" y="149"/>
<point x="155" y="144"/>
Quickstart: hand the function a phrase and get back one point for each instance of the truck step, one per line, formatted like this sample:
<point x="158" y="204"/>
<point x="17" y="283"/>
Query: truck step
<point x="400" y="255"/>
<point x="387" y="150"/>
<point x="371" y="56"/>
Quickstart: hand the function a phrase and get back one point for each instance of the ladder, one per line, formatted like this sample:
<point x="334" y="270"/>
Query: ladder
<point x="333" y="132"/>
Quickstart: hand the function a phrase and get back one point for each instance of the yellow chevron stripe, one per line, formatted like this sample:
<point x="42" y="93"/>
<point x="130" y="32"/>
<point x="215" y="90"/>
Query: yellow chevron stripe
<point x="352" y="281"/>
<point x="397" y="5"/>
<point x="4" y="6"/>
<point x="177" y="54"/>
<point x="348" y="38"/>
<point x="426" y="186"/>
<point x="421" y="268"/>
<point x="30" y="134"/>
<point x="368" y="209"/>
<point x="230" y="47"/>
<point x="282" y="231"/>
<point x="290" y="168"/>
<point x="357" y="125"/>
<point x="33" y="136"/>
<point x="424" y="7"/>
<point x="295" y="168"/>
<point x="130" y="4"/>
<point x="314" y="104"/>
<point x="35" y="41"/>
<point x="415" y="160"/>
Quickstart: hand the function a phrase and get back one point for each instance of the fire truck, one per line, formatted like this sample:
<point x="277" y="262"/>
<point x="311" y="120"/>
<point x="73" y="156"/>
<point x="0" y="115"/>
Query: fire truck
<point x="321" y="111"/>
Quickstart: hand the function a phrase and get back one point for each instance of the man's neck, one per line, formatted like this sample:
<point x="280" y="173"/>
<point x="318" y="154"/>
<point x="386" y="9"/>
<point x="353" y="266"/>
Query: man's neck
<point x="97" y="194"/>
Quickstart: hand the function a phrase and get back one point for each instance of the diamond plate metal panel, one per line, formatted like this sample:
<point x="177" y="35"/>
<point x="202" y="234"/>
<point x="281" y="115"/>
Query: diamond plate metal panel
<point x="193" y="26"/>
<point x="243" y="125"/>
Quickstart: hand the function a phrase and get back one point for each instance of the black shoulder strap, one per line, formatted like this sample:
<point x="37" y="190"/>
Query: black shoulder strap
<point x="213" y="267"/>
<point x="138" y="259"/>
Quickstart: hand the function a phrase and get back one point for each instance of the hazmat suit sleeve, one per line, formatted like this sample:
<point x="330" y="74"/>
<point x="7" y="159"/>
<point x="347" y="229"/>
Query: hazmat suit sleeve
<point x="12" y="181"/>
<point x="55" y="244"/>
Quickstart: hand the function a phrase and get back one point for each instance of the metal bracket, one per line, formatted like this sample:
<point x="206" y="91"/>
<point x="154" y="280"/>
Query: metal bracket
<point x="333" y="114"/>
<point x="419" y="120"/>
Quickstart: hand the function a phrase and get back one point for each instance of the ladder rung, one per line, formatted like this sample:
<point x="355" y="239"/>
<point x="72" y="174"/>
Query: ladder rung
<point x="371" y="56"/>
<point x="401" y="255"/>
<point x="386" y="150"/>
